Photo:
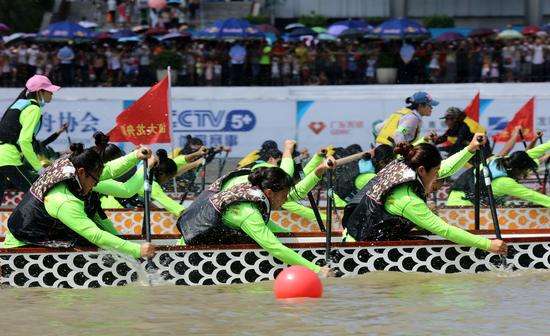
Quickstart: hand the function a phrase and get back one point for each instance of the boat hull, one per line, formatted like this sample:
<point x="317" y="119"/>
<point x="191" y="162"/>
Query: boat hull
<point x="206" y="265"/>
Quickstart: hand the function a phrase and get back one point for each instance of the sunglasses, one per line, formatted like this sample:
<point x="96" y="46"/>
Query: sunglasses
<point x="96" y="180"/>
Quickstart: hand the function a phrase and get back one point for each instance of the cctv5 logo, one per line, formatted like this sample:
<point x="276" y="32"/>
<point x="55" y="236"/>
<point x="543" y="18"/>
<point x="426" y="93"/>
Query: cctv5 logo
<point x="207" y="120"/>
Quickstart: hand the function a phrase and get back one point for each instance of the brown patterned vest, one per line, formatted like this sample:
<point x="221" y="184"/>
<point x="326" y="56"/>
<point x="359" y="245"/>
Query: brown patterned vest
<point x="30" y="221"/>
<point x="365" y="217"/>
<point x="202" y="223"/>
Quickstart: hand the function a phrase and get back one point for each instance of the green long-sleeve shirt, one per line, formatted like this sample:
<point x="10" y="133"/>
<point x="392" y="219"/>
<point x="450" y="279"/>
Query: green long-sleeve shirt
<point x="405" y="203"/>
<point x="29" y="120"/>
<point x="134" y="186"/>
<point x="538" y="151"/>
<point x="362" y="179"/>
<point x="313" y="163"/>
<point x="507" y="186"/>
<point x="61" y="204"/>
<point x="247" y="217"/>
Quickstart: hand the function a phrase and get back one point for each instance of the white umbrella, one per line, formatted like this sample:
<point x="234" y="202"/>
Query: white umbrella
<point x="509" y="34"/>
<point x="13" y="37"/>
<point x="294" y="25"/>
<point x="88" y="24"/>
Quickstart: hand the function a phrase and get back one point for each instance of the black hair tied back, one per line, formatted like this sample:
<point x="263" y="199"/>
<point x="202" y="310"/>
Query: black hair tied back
<point x="101" y="140"/>
<point x="76" y="149"/>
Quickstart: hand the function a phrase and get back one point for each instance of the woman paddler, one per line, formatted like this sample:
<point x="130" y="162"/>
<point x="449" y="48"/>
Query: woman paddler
<point x="404" y="125"/>
<point x="60" y="209"/>
<point x="125" y="189"/>
<point x="394" y="202"/>
<point x="18" y="128"/>
<point x="236" y="209"/>
<point x="505" y="173"/>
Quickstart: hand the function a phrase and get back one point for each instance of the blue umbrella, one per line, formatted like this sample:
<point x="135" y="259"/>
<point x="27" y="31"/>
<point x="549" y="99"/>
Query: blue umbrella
<point x="230" y="29"/>
<point x="449" y="37"/>
<point x="123" y="33"/>
<point x="400" y="28"/>
<point x="338" y="27"/>
<point x="66" y="31"/>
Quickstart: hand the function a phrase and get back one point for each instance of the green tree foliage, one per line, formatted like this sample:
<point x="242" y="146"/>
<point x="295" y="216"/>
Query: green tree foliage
<point x="313" y="20"/>
<point x="24" y="15"/>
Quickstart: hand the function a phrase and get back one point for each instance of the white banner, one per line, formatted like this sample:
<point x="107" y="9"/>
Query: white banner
<point x="345" y="122"/>
<point x="240" y="124"/>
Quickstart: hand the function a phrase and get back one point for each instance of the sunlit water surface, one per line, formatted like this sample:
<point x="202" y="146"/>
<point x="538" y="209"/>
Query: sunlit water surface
<point x="381" y="303"/>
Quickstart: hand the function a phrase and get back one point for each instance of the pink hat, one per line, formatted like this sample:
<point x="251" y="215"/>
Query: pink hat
<point x="39" y="82"/>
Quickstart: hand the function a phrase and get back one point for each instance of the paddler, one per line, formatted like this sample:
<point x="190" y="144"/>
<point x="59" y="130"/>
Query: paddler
<point x="505" y="173"/>
<point x="236" y="208"/>
<point x="404" y="125"/>
<point x="394" y="202"/>
<point x="18" y="128"/>
<point x="61" y="210"/>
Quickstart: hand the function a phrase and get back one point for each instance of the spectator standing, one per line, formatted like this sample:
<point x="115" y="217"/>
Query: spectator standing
<point x="265" y="64"/>
<point x="237" y="55"/>
<point x="32" y="60"/>
<point x="66" y="57"/>
<point x="538" y="61"/>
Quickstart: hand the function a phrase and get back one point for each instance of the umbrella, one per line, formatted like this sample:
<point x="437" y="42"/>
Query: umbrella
<point x="326" y="37"/>
<point x="14" y="37"/>
<point x="530" y="30"/>
<point x="123" y="33"/>
<point x="129" y="39"/>
<point x="88" y="24"/>
<point x="293" y="26"/>
<point x="481" y="32"/>
<point x="401" y="28"/>
<point x="103" y="36"/>
<point x="156" y="31"/>
<point x="352" y="33"/>
<point x="4" y="27"/>
<point x="173" y="36"/>
<point x="319" y="30"/>
<point x="230" y="29"/>
<point x="338" y="27"/>
<point x="65" y="30"/>
<point x="267" y="28"/>
<point x="509" y="34"/>
<point x="140" y="29"/>
<point x="449" y="37"/>
<point x="541" y="33"/>
<point x="302" y="31"/>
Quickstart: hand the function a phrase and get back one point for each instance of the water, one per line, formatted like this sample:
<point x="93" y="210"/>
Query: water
<point x="376" y="304"/>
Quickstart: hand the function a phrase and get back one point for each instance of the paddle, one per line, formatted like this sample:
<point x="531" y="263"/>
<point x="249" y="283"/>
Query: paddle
<point x="477" y="177"/>
<point x="330" y="200"/>
<point x="224" y="160"/>
<point x="525" y="147"/>
<point x="487" y="178"/>
<point x="312" y="202"/>
<point x="545" y="178"/>
<point x="150" y="266"/>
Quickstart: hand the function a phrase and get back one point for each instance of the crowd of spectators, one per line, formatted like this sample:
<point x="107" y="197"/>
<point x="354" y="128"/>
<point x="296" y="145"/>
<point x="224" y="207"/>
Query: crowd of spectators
<point x="292" y="63"/>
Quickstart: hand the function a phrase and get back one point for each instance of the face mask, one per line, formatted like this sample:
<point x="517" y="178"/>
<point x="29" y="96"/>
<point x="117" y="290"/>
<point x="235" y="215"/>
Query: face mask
<point x="41" y="100"/>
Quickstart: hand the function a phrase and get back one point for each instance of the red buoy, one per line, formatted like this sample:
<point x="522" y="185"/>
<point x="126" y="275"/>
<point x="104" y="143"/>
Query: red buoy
<point x="296" y="282"/>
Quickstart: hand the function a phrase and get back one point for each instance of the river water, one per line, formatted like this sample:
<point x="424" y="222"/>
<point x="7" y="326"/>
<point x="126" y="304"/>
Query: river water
<point x="382" y="303"/>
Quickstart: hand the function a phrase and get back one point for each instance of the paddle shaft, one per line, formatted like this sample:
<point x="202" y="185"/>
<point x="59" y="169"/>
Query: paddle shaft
<point x="492" y="206"/>
<point x="350" y="158"/>
<point x="312" y="202"/>
<point x="477" y="172"/>
<point x="330" y="195"/>
<point x="146" y="203"/>
<point x="222" y="164"/>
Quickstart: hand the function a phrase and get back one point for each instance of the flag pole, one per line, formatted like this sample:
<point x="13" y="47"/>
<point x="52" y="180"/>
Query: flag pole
<point x="168" y="73"/>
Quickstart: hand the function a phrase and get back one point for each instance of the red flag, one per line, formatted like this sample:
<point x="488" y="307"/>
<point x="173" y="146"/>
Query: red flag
<point x="524" y="118"/>
<point x="472" y="110"/>
<point x="146" y="121"/>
